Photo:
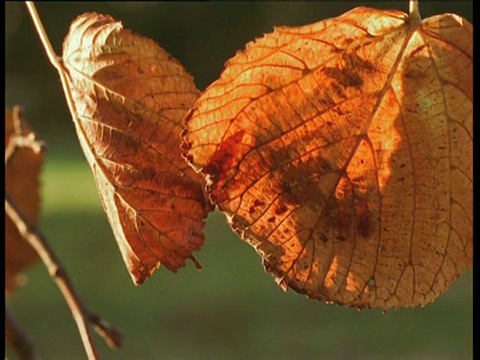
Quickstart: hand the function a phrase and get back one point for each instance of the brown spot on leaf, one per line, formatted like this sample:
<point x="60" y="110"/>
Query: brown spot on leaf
<point x="258" y="203"/>
<point x="345" y="77"/>
<point x="323" y="238"/>
<point x="348" y="71"/>
<point x="365" y="226"/>
<point x="280" y="209"/>
<point x="224" y="156"/>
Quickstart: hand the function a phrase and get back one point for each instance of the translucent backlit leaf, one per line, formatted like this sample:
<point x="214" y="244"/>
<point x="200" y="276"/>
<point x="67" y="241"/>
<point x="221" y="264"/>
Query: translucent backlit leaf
<point x="342" y="151"/>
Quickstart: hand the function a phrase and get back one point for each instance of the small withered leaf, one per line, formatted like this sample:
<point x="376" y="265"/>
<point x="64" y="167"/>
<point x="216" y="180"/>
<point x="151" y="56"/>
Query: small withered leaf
<point x="130" y="97"/>
<point x="22" y="183"/>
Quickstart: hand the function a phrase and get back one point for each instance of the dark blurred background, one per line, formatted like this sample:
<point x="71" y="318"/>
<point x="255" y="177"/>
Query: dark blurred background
<point x="232" y="309"/>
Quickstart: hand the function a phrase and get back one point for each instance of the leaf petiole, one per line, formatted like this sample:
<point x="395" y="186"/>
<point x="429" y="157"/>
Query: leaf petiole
<point x="414" y="12"/>
<point x="52" y="56"/>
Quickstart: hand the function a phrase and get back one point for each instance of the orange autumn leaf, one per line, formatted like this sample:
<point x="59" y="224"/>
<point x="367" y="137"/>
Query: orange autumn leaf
<point x="23" y="185"/>
<point x="342" y="152"/>
<point x="130" y="97"/>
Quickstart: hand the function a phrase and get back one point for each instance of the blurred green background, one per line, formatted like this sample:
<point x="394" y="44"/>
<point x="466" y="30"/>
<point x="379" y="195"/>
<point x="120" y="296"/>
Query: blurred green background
<point x="232" y="309"/>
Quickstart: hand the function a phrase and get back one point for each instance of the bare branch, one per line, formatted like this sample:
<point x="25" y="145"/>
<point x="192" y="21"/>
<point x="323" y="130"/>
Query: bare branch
<point x="17" y="339"/>
<point x="113" y="337"/>
<point x="80" y="313"/>
<point x="34" y="237"/>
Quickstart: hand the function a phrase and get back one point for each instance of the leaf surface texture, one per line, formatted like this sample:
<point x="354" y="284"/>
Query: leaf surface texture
<point x="342" y="151"/>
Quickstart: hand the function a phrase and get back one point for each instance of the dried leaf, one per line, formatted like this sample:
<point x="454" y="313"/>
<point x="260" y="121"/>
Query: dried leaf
<point x="130" y="99"/>
<point x="23" y="185"/>
<point x="342" y="151"/>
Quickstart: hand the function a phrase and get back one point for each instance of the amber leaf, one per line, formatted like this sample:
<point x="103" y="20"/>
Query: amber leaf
<point x="23" y="185"/>
<point x="130" y="97"/>
<point x="342" y="151"/>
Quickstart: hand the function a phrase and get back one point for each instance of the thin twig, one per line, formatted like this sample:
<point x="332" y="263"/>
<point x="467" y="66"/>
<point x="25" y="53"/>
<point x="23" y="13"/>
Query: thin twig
<point x="38" y="241"/>
<point x="55" y="60"/>
<point x="30" y="233"/>
<point x="16" y="337"/>
<point x="112" y="336"/>
<point x="80" y="313"/>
